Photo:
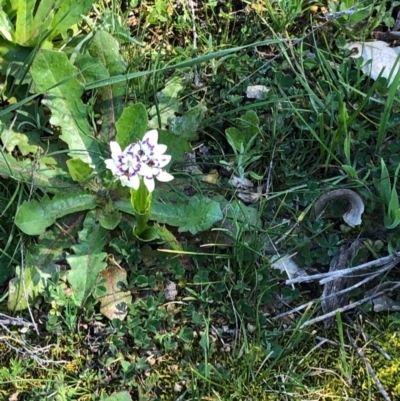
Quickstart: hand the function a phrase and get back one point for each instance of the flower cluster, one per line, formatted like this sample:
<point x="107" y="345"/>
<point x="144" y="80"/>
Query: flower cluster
<point x="143" y="158"/>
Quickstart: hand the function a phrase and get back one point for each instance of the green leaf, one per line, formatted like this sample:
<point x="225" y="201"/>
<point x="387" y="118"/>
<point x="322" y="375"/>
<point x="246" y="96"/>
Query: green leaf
<point x="352" y="173"/>
<point x="132" y="125"/>
<point x="23" y="26"/>
<point x="199" y="214"/>
<point x="167" y="102"/>
<point x="87" y="262"/>
<point x="250" y="123"/>
<point x="177" y="147"/>
<point x="393" y="208"/>
<point x="235" y="138"/>
<point x="110" y="98"/>
<point x="54" y="75"/>
<point x="92" y="237"/>
<point x="160" y="234"/>
<point x="11" y="55"/>
<point x="83" y="274"/>
<point x="26" y="286"/>
<point x="186" y="334"/>
<point x="395" y="219"/>
<point x="187" y="125"/>
<point x="194" y="216"/>
<point x="122" y="396"/>
<point x="79" y="170"/>
<point x="90" y="69"/>
<point x="42" y="20"/>
<point x="110" y="219"/>
<point x="68" y="14"/>
<point x="34" y="217"/>
<point x="12" y="139"/>
<point x="6" y="26"/>
<point x="142" y="280"/>
<point x="383" y="186"/>
<point x="51" y="180"/>
<point x="49" y="248"/>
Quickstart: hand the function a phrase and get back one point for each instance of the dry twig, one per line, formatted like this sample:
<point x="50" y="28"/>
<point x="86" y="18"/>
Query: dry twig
<point x="369" y="367"/>
<point x="326" y="277"/>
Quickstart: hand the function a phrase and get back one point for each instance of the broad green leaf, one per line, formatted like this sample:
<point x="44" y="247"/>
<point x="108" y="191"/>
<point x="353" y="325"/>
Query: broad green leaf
<point x="250" y="123"/>
<point x="68" y="14"/>
<point x="177" y="146"/>
<point x="92" y="236"/>
<point x="114" y="303"/>
<point x="110" y="98"/>
<point x="11" y="55"/>
<point x="51" y="180"/>
<point x="50" y="245"/>
<point x="199" y="214"/>
<point x="6" y="26"/>
<point x="79" y="170"/>
<point x="186" y="126"/>
<point x="26" y="286"/>
<point x="84" y="272"/>
<point x="52" y="69"/>
<point x="12" y="139"/>
<point x="122" y="396"/>
<point x="109" y="219"/>
<point x="168" y="104"/>
<point x="88" y="260"/>
<point x="236" y="138"/>
<point x="160" y="234"/>
<point x="42" y="19"/>
<point x="132" y="125"/>
<point x="34" y="217"/>
<point x="90" y="69"/>
<point x="104" y="47"/>
<point x="23" y="26"/>
<point x="194" y="216"/>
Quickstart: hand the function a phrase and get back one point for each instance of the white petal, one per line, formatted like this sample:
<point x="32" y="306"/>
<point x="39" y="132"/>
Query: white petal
<point x="131" y="182"/>
<point x="115" y="149"/>
<point x="164" y="176"/>
<point x="163" y="160"/>
<point x="134" y="181"/>
<point x="124" y="180"/>
<point x="160" y="149"/>
<point x="132" y="150"/>
<point x="111" y="165"/>
<point x="149" y="182"/>
<point x="145" y="170"/>
<point x="151" y="136"/>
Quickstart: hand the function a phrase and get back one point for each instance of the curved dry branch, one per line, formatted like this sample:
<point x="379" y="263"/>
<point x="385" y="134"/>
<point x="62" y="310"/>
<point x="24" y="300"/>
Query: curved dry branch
<point x="356" y="205"/>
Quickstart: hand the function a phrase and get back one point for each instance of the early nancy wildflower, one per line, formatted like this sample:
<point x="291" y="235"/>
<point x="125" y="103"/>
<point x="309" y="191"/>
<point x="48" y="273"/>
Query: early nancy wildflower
<point x="142" y="158"/>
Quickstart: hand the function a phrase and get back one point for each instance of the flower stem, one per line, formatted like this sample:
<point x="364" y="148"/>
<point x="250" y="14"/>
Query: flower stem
<point x="141" y="203"/>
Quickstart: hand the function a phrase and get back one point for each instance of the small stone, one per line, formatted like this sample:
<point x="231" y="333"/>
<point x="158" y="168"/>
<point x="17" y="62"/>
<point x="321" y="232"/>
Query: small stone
<point x="170" y="291"/>
<point x="179" y="386"/>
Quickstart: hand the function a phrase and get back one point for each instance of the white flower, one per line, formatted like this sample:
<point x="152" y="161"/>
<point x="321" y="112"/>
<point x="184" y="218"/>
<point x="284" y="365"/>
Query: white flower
<point x="153" y="168"/>
<point x="152" y="155"/>
<point x="144" y="157"/>
<point x="117" y="162"/>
